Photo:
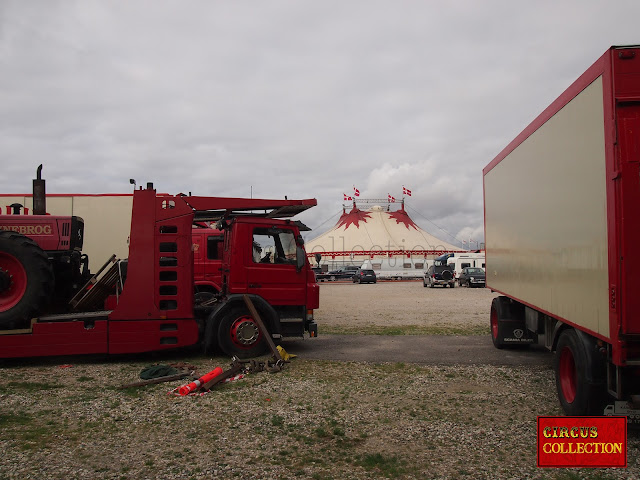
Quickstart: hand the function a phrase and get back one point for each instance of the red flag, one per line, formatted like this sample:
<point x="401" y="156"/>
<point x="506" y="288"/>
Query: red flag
<point x="347" y="197"/>
<point x="391" y="199"/>
<point x="406" y="191"/>
<point x="356" y="192"/>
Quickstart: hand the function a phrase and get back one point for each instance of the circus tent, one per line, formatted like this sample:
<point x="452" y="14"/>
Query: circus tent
<point x="378" y="235"/>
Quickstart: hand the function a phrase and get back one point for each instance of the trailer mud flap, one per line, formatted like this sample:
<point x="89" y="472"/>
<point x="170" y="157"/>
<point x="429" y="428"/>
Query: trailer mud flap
<point x="508" y="326"/>
<point x="514" y="332"/>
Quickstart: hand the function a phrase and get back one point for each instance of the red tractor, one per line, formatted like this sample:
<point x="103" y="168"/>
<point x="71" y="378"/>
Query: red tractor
<point x="41" y="261"/>
<point x="158" y="298"/>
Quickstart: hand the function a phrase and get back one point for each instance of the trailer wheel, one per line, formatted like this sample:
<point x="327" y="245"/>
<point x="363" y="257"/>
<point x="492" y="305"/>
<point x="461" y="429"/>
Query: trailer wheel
<point x="577" y="395"/>
<point x="26" y="280"/>
<point x="239" y="334"/>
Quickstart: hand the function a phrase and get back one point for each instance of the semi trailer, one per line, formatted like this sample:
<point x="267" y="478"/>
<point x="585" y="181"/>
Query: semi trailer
<point x="51" y="304"/>
<point x="562" y="224"/>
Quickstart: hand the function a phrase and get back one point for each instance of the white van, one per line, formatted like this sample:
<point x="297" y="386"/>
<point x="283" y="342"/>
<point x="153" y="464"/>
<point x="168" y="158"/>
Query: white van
<point x="462" y="260"/>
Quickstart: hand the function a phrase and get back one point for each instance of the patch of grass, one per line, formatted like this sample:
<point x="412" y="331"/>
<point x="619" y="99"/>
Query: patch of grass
<point x="388" y="466"/>
<point x="277" y="421"/>
<point x="84" y="378"/>
<point x="9" y="419"/>
<point x="27" y="387"/>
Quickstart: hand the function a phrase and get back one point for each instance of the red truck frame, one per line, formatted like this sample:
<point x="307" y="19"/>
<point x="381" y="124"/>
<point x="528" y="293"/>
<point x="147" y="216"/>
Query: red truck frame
<point x="151" y="303"/>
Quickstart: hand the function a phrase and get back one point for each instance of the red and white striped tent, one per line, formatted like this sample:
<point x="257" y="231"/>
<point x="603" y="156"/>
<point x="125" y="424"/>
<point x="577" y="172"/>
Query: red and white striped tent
<point x="378" y="234"/>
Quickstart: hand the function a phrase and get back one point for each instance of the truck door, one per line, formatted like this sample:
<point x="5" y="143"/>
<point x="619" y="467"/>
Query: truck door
<point x="628" y="218"/>
<point x="272" y="271"/>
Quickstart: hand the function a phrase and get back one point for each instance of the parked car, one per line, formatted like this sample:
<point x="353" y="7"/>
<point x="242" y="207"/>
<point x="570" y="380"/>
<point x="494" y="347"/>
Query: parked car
<point x="345" y="273"/>
<point x="439" y="275"/>
<point x="472" y="277"/>
<point x="364" y="275"/>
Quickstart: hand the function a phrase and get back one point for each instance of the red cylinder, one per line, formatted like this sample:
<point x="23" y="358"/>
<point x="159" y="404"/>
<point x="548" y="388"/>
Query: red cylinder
<point x="187" y="389"/>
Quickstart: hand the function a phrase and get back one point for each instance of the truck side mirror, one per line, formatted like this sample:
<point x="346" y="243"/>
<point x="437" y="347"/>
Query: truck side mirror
<point x="301" y="258"/>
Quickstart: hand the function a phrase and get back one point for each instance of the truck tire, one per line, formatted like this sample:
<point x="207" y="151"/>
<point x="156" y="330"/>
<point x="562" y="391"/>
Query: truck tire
<point x="580" y="390"/>
<point x="239" y="334"/>
<point x="210" y="345"/>
<point x="26" y="280"/>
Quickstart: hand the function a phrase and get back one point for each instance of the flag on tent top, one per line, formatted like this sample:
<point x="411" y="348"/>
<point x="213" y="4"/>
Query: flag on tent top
<point x="391" y="199"/>
<point x="356" y="192"/>
<point x="406" y="191"/>
<point x="347" y="197"/>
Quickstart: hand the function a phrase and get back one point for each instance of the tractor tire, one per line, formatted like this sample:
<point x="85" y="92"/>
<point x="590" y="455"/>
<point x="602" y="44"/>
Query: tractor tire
<point x="574" y="368"/>
<point x="239" y="334"/>
<point x="26" y="280"/>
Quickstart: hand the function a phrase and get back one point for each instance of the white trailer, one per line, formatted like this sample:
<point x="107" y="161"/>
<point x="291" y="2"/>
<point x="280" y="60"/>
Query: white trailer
<point x="561" y="229"/>
<point x="462" y="260"/>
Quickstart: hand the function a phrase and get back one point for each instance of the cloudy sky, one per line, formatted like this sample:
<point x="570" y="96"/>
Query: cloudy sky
<point x="288" y="97"/>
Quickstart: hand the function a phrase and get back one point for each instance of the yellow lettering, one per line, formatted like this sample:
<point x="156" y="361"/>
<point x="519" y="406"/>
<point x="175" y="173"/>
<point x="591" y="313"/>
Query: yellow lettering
<point x="564" y="432"/>
<point x="617" y="448"/>
<point x="547" y="433"/>
<point x="580" y="447"/>
<point x="544" y="447"/>
<point x="574" y="432"/>
<point x="594" y="432"/>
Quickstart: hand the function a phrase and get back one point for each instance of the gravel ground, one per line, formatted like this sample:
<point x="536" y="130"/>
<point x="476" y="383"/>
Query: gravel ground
<point x="314" y="420"/>
<point x="347" y="306"/>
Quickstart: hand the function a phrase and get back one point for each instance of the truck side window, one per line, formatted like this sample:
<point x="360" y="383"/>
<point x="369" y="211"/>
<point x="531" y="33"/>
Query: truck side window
<point x="273" y="245"/>
<point x="214" y="247"/>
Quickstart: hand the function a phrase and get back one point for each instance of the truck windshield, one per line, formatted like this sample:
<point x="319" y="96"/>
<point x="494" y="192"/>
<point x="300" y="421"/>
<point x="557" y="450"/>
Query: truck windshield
<point x="272" y="245"/>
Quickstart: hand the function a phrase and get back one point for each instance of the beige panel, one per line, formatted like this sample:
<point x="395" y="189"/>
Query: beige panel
<point x="55" y="205"/>
<point x="107" y="223"/>
<point x="545" y="216"/>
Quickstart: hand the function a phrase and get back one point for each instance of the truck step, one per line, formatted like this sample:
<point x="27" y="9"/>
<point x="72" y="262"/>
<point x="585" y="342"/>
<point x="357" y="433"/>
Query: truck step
<point x="62" y="317"/>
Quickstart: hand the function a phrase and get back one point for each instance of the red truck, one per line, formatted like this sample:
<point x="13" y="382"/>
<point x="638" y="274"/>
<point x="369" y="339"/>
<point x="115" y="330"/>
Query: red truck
<point x="561" y="229"/>
<point x="50" y="304"/>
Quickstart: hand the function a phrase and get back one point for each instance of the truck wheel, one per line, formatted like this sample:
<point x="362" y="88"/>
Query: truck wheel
<point x="239" y="334"/>
<point x="210" y="341"/>
<point x="577" y="395"/>
<point x="26" y="280"/>
<point x="332" y="279"/>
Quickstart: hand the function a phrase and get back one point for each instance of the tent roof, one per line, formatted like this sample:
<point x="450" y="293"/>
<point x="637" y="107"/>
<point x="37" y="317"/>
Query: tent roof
<point x="376" y="229"/>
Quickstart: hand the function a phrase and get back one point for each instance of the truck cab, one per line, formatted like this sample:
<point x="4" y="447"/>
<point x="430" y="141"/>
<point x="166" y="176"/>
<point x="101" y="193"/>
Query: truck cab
<point x="265" y="258"/>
